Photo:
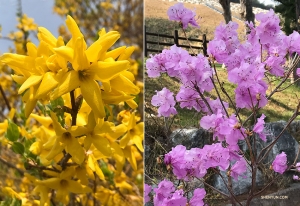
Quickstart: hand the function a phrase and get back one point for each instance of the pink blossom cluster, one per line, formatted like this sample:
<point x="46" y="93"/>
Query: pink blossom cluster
<point x="193" y="72"/>
<point x="263" y="53"/>
<point x="165" y="101"/>
<point x="167" y="195"/>
<point x="195" y="162"/>
<point x="280" y="163"/>
<point x="245" y="61"/>
<point x="179" y="13"/>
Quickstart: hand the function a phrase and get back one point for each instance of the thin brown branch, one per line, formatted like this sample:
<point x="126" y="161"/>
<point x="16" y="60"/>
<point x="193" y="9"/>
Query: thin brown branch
<point x="12" y="166"/>
<point x="285" y="78"/>
<point x="5" y="98"/>
<point x="269" y="147"/>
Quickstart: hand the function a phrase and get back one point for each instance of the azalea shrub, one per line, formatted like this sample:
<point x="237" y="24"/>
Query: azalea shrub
<point x="249" y="64"/>
<point x="76" y="129"/>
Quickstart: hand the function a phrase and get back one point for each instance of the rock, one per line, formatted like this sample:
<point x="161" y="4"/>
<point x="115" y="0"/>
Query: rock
<point x="147" y="151"/>
<point x="286" y="143"/>
<point x="241" y="185"/>
<point x="190" y="138"/>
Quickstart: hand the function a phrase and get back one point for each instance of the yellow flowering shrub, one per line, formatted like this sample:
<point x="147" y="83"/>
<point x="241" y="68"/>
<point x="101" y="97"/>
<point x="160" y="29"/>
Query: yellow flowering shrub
<point x="77" y="130"/>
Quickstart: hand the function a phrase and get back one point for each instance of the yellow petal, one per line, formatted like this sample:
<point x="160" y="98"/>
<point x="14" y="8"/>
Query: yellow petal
<point x="31" y="49"/>
<point x="80" y="61"/>
<point x="76" y="187"/>
<point x="125" y="139"/>
<point x="106" y="86"/>
<point x="31" y="81"/>
<point x="43" y="50"/>
<point x="77" y="131"/>
<point x="45" y="121"/>
<point x="118" y="131"/>
<point x="31" y="102"/>
<point x="111" y="98"/>
<point x="70" y="81"/>
<point x="11" y="193"/>
<point x="81" y="174"/>
<point x="132" y="104"/>
<point x="91" y="121"/>
<point x="56" y="149"/>
<point x="88" y="141"/>
<point x="103" y="127"/>
<point x="99" y="171"/>
<point x="65" y="52"/>
<point x="115" y="53"/>
<point x="59" y="130"/>
<point x="53" y="183"/>
<point x="19" y="63"/>
<point x="123" y="84"/>
<point x="91" y="93"/>
<point x="45" y="35"/>
<point x="36" y="148"/>
<point x="129" y="154"/>
<point x="43" y="192"/>
<point x="102" y="144"/>
<point x="117" y="153"/>
<point x="75" y="150"/>
<point x="73" y="28"/>
<point x="137" y="139"/>
<point x="18" y="79"/>
<point x="91" y="162"/>
<point x="68" y="173"/>
<point x="92" y="52"/>
<point x="129" y="75"/>
<point x="126" y="54"/>
<point x="106" y="41"/>
<point x="48" y="83"/>
<point x="109" y="70"/>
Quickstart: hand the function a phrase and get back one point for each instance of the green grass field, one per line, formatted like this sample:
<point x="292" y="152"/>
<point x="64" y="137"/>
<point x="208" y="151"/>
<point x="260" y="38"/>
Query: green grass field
<point x="280" y="107"/>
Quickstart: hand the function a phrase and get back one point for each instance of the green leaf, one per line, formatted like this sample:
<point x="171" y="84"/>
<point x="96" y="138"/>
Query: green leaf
<point x="12" y="133"/>
<point x="57" y="107"/>
<point x="57" y="103"/>
<point x="16" y="202"/>
<point x="18" y="148"/>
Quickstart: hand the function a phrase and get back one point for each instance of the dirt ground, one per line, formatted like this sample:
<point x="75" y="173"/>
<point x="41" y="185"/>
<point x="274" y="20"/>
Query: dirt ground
<point x="209" y="19"/>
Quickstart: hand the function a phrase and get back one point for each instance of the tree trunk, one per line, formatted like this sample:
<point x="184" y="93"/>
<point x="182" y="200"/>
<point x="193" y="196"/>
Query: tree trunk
<point x="226" y="10"/>
<point x="247" y="12"/>
<point x="297" y="5"/>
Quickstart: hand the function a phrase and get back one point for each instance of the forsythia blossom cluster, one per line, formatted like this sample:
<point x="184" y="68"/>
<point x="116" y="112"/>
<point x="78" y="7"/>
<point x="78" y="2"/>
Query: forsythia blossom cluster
<point x="76" y="86"/>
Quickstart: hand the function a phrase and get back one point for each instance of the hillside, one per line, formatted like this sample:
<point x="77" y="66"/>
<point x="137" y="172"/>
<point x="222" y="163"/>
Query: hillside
<point x="209" y="18"/>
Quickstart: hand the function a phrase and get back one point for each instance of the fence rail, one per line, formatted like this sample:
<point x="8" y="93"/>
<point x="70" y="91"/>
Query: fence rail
<point x="175" y="40"/>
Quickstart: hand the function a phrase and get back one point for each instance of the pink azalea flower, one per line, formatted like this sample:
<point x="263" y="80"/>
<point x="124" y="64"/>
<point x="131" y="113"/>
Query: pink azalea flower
<point x="298" y="72"/>
<point x="197" y="199"/>
<point x="280" y="163"/>
<point x="179" y="13"/>
<point x="147" y="190"/>
<point x="176" y="199"/>
<point x="295" y="177"/>
<point x="176" y="158"/>
<point x="165" y="100"/>
<point x="163" y="191"/>
<point x="259" y="127"/>
<point x="298" y="166"/>
<point x="238" y="168"/>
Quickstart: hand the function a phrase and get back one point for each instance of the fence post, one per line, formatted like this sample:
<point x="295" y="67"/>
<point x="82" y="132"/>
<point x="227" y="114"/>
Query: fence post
<point x="204" y="44"/>
<point x="176" y="38"/>
<point x="145" y="42"/>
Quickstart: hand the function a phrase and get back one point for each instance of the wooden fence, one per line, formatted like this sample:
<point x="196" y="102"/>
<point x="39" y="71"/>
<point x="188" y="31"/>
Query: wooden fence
<point x="164" y="40"/>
